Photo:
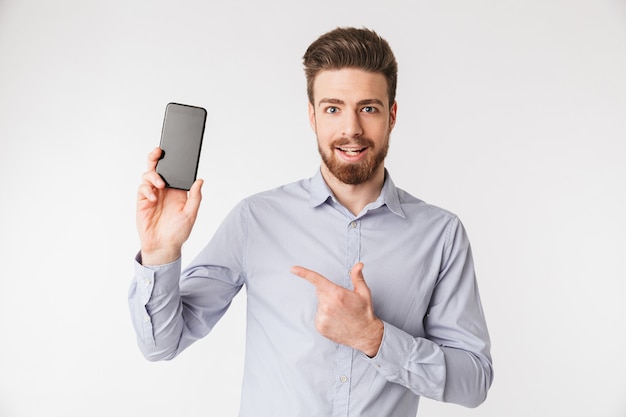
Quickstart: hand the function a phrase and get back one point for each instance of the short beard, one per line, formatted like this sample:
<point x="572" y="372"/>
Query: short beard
<point x="358" y="172"/>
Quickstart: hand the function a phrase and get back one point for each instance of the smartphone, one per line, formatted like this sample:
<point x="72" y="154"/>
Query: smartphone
<point x="181" y="142"/>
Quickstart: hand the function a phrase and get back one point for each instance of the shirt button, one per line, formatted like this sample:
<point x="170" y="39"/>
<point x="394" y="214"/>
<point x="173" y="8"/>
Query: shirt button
<point x="146" y="281"/>
<point x="343" y="378"/>
<point x="146" y="318"/>
<point x="353" y="225"/>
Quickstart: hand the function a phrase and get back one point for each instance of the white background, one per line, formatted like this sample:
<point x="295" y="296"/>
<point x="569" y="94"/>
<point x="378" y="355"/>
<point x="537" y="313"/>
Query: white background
<point x="512" y="114"/>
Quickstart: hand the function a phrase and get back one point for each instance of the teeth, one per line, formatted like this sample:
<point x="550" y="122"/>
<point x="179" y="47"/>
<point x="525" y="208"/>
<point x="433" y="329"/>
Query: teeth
<point x="351" y="152"/>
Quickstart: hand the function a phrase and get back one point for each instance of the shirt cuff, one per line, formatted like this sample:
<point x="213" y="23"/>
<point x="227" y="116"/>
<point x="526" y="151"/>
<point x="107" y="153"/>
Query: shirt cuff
<point x="156" y="279"/>
<point x="393" y="352"/>
<point x="414" y="362"/>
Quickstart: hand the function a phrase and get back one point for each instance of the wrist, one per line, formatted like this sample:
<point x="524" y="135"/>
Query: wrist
<point x="374" y="339"/>
<point x="159" y="256"/>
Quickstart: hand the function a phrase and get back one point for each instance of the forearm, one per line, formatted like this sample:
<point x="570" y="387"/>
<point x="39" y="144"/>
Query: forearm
<point x="170" y="310"/>
<point x="156" y="312"/>
<point x="432" y="371"/>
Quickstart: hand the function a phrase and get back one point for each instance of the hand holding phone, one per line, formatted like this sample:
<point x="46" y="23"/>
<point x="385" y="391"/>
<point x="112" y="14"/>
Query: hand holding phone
<point x="181" y="142"/>
<point x="165" y="216"/>
<point x="166" y="212"/>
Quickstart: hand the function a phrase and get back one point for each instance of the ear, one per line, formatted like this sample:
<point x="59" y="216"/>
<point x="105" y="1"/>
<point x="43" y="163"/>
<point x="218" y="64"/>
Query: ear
<point x="392" y="115"/>
<point x="312" y="117"/>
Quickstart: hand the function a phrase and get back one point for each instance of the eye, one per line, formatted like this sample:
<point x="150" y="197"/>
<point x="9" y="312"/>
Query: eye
<point x="369" y="109"/>
<point x="332" y="110"/>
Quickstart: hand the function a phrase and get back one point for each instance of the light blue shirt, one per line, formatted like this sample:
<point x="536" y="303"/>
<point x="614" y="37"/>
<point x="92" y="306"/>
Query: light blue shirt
<point x="418" y="266"/>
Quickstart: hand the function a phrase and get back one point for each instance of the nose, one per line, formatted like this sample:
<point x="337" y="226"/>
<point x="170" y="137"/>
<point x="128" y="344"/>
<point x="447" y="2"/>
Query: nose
<point x="352" y="125"/>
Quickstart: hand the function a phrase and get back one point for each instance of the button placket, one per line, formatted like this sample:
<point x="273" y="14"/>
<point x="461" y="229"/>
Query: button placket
<point x="345" y="354"/>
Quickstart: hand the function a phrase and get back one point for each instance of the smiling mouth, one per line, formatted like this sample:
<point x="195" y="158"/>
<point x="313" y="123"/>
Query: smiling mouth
<point x="351" y="151"/>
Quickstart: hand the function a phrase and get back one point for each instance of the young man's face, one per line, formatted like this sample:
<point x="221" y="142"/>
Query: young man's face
<point x="352" y="120"/>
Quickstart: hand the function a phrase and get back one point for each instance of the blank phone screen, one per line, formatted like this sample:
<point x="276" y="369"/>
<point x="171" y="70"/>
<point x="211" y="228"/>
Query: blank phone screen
<point x="181" y="141"/>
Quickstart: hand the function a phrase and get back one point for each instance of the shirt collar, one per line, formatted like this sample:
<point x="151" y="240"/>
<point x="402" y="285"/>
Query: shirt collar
<point x="320" y="193"/>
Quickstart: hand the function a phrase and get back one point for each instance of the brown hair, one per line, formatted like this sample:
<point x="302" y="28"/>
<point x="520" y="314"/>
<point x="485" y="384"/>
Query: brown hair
<point x="351" y="48"/>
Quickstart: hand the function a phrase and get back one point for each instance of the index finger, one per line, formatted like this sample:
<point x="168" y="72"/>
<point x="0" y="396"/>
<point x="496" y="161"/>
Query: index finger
<point x="321" y="283"/>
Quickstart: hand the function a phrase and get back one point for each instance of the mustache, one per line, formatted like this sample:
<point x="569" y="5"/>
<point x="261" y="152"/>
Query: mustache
<point x="362" y="142"/>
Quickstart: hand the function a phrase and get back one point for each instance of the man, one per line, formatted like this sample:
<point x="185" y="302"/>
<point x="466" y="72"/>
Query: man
<point x="361" y="298"/>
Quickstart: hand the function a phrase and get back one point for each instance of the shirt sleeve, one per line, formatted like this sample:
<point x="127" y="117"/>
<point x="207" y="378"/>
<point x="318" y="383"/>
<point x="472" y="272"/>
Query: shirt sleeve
<point x="171" y="308"/>
<point x="155" y="309"/>
<point x="452" y="363"/>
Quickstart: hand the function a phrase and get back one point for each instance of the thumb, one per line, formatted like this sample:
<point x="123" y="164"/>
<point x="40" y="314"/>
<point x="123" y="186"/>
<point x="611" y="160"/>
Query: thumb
<point x="358" y="281"/>
<point x="195" y="197"/>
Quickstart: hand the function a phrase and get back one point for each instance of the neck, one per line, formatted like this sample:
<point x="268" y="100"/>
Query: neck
<point x="355" y="197"/>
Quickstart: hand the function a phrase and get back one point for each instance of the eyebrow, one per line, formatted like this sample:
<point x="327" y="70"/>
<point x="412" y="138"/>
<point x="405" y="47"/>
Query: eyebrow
<point x="364" y="102"/>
